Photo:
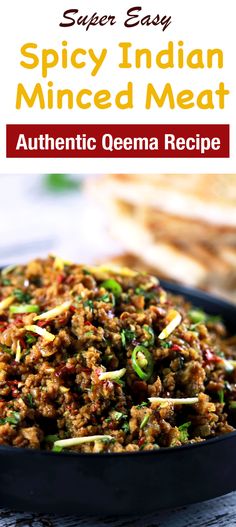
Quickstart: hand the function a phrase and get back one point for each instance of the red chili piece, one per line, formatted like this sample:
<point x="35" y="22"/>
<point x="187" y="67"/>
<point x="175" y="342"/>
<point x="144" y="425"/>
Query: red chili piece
<point x="60" y="278"/>
<point x="211" y="357"/>
<point x="176" y="347"/>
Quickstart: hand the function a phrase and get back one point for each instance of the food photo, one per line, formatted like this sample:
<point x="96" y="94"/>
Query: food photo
<point x="117" y="341"/>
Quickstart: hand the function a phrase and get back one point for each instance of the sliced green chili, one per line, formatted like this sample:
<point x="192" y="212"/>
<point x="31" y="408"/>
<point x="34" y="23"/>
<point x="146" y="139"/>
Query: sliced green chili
<point x="113" y="286"/>
<point x="197" y="316"/>
<point x="24" y="308"/>
<point x="221" y="395"/>
<point x="143" y="371"/>
<point x="144" y="421"/>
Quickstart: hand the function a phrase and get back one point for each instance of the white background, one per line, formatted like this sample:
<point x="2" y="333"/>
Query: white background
<point x="204" y="24"/>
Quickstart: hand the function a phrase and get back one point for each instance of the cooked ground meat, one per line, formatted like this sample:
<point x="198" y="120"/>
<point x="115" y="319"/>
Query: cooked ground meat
<point x="96" y="359"/>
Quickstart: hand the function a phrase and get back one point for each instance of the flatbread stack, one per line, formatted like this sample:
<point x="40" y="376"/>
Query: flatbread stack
<point x="180" y="227"/>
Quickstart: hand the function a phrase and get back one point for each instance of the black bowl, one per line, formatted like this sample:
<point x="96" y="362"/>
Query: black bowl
<point x="111" y="484"/>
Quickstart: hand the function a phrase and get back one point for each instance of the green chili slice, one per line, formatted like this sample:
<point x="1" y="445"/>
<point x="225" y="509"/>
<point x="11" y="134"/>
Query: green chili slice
<point x="24" y="308"/>
<point x="113" y="286"/>
<point x="144" y="421"/>
<point x="143" y="371"/>
<point x="197" y="316"/>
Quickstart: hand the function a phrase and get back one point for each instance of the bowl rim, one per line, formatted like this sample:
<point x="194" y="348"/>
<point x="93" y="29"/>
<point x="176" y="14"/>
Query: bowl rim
<point x="84" y="455"/>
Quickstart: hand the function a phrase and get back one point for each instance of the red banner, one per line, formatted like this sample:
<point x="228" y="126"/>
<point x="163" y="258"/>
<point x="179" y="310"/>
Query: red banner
<point x="117" y="140"/>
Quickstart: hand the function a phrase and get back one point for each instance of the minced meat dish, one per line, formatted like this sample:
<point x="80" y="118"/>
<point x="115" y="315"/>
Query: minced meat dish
<point x="104" y="360"/>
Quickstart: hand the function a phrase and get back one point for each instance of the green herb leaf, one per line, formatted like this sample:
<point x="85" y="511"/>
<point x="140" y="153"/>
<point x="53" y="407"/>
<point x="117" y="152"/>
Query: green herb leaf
<point x="105" y="298"/>
<point x="232" y="404"/>
<point x="22" y="296"/>
<point x="5" y="349"/>
<point x="30" y="339"/>
<point x="6" y="281"/>
<point x="86" y="271"/>
<point x="165" y="344"/>
<point x="141" y="405"/>
<point x="119" y="415"/>
<point x="125" y="428"/>
<point x="30" y="400"/>
<point x="183" y="429"/>
<point x="127" y="335"/>
<point x="148" y="295"/>
<point x="89" y="303"/>
<point x="12" y="419"/>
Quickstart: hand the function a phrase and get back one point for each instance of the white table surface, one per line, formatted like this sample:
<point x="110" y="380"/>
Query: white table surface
<point x="220" y="512"/>
<point x="35" y="222"/>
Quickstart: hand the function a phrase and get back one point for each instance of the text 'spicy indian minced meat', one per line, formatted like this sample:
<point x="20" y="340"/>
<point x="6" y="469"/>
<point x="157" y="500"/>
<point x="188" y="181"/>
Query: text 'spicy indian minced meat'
<point x="104" y="360"/>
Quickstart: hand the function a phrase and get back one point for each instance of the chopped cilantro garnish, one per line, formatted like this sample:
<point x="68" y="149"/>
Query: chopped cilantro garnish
<point x="30" y="400"/>
<point x="105" y="298"/>
<point x="164" y="344"/>
<point x="127" y="335"/>
<point x="6" y="281"/>
<point x="220" y="353"/>
<point x="89" y="334"/>
<point x="30" y="339"/>
<point x="86" y="271"/>
<point x="119" y="415"/>
<point x="89" y="303"/>
<point x="5" y="349"/>
<point x="142" y="405"/>
<point x="148" y="295"/>
<point x="21" y="296"/>
<point x="79" y="298"/>
<point x="125" y="428"/>
<point x="12" y="419"/>
<point x="183" y="429"/>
